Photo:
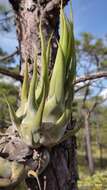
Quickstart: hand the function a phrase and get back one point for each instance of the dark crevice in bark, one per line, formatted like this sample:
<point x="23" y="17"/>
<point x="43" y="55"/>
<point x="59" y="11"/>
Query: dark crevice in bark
<point x="15" y="4"/>
<point x="55" y="175"/>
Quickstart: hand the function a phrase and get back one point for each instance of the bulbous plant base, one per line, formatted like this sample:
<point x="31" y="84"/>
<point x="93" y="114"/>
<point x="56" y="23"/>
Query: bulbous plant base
<point x="56" y="163"/>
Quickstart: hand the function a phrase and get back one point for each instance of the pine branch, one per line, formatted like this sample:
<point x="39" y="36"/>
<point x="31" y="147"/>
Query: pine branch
<point x="78" y="80"/>
<point x="9" y="73"/>
<point x="102" y="74"/>
<point x="3" y="58"/>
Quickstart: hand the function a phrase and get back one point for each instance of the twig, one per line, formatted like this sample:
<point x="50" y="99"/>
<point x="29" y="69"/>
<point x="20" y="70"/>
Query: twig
<point x="6" y="18"/>
<point x="80" y="88"/>
<point x="3" y="58"/>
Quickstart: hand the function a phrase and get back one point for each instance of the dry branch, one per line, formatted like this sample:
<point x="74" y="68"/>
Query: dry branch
<point x="9" y="73"/>
<point x="94" y="76"/>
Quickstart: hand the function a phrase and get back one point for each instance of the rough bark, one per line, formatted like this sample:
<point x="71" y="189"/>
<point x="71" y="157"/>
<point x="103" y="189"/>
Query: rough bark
<point x="28" y="15"/>
<point x="61" y="173"/>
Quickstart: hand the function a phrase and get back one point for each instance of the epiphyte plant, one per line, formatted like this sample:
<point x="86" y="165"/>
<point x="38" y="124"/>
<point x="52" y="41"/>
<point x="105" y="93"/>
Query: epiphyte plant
<point x="45" y="107"/>
<point x="46" y="102"/>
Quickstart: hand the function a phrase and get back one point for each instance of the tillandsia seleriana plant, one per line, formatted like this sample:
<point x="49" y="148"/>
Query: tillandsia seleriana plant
<point x="46" y="105"/>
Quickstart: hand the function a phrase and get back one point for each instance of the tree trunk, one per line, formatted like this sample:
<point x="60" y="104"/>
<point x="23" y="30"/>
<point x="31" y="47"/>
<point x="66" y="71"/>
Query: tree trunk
<point x="61" y="173"/>
<point x="88" y="144"/>
<point x="99" y="144"/>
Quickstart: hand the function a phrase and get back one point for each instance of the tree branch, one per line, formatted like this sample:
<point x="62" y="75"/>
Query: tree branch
<point x="80" y="88"/>
<point x="78" y="80"/>
<point x="6" y="18"/>
<point x="9" y="73"/>
<point x="91" y="77"/>
<point x="3" y="58"/>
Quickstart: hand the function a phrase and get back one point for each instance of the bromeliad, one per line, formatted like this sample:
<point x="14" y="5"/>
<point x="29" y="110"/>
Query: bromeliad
<point x="46" y="105"/>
